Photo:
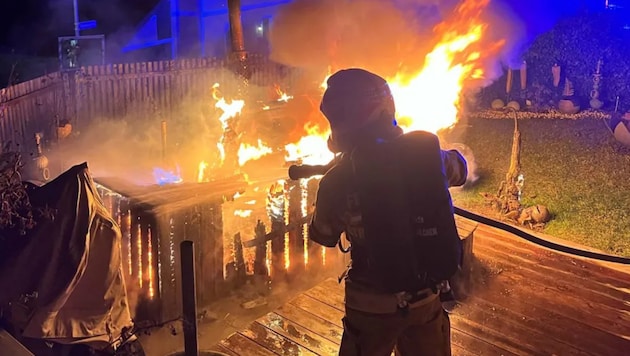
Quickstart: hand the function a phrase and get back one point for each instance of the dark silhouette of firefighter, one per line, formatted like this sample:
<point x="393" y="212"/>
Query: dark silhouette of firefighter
<point x="388" y="193"/>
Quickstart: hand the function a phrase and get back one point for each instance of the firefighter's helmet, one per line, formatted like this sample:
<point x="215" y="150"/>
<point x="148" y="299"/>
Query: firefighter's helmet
<point x="355" y="99"/>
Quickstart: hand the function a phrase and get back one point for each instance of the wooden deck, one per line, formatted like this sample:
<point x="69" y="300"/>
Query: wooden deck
<point x="527" y="301"/>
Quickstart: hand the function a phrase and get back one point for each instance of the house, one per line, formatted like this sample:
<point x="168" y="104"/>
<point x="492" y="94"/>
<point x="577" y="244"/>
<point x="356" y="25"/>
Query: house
<point x="199" y="28"/>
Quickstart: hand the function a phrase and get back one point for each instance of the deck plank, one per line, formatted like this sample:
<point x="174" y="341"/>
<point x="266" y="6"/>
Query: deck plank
<point x="572" y="308"/>
<point x="542" y="268"/>
<point x="299" y="334"/>
<point x="529" y="300"/>
<point x="319" y="308"/>
<point x="225" y="350"/>
<point x="241" y="345"/>
<point x="273" y="341"/>
<point x="596" y="271"/>
<point x="550" y="323"/>
<point x="307" y="319"/>
<point x="501" y="324"/>
<point x="604" y="301"/>
<point x="328" y="293"/>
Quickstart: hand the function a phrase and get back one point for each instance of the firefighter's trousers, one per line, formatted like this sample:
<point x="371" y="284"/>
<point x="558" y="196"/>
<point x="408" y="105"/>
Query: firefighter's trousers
<point x="374" y="327"/>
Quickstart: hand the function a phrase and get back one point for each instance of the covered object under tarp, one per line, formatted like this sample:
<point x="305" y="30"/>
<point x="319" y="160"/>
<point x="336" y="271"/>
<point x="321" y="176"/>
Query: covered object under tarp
<point x="63" y="280"/>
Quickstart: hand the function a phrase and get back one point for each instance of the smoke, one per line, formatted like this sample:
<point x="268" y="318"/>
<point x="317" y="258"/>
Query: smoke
<point x="130" y="147"/>
<point x="388" y="37"/>
<point x="317" y="34"/>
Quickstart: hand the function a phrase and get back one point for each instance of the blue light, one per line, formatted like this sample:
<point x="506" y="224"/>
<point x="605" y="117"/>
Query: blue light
<point x="146" y="45"/>
<point x="87" y="25"/>
<point x="177" y="12"/>
<point x="246" y="7"/>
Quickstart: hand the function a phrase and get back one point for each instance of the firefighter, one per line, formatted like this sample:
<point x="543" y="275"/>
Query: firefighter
<point x="389" y="304"/>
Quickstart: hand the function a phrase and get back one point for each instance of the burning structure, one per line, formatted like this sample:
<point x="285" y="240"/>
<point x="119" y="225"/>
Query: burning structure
<point x="153" y="221"/>
<point x="221" y="207"/>
<point x="235" y="202"/>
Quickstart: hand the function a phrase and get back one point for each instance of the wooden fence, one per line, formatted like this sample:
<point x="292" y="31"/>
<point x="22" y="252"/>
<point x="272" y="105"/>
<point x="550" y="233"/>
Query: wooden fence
<point x="117" y="91"/>
<point x="153" y="223"/>
<point x="279" y="250"/>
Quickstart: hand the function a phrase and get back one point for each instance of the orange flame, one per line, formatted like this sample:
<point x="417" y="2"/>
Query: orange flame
<point x="150" y="263"/>
<point x="310" y="149"/>
<point x="324" y="84"/>
<point x="429" y="100"/>
<point x="243" y="213"/>
<point x="282" y="96"/>
<point x="248" y="152"/>
<point x="230" y="110"/>
<point x="201" y="171"/>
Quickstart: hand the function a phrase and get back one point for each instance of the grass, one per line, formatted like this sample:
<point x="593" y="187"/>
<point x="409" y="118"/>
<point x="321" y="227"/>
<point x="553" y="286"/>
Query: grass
<point x="574" y="167"/>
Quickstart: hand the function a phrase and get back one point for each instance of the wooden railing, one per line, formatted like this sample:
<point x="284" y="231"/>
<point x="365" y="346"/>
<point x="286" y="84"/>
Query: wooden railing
<point x="152" y="233"/>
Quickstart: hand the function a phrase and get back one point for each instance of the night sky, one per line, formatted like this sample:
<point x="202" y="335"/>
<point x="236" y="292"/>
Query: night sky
<point x="31" y="27"/>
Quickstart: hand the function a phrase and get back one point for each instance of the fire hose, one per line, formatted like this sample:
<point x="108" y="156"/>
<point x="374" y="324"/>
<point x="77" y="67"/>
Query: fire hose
<point x="297" y="172"/>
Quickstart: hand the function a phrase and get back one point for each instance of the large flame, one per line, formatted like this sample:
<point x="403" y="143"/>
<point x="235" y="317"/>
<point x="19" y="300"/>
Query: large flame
<point x="312" y="148"/>
<point x="429" y="100"/>
<point x="229" y="111"/>
<point x="426" y="99"/>
<point x="248" y="152"/>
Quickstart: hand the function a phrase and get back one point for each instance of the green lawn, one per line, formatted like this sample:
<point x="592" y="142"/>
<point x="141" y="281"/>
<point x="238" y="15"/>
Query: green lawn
<point x="574" y="167"/>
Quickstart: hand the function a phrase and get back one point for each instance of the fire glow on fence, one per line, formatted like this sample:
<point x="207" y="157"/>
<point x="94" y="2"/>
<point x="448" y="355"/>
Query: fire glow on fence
<point x="139" y="246"/>
<point x="129" y="243"/>
<point x="150" y="262"/>
<point x="139" y="258"/>
<point x="287" y="245"/>
<point x="304" y="211"/>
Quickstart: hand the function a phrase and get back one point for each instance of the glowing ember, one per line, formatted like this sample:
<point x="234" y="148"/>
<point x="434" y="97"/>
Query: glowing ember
<point x="282" y="96"/>
<point x="201" y="170"/>
<point x="287" y="245"/>
<point x="311" y="149"/>
<point x="150" y="263"/>
<point x="304" y="211"/>
<point x="139" y="246"/>
<point x="268" y="258"/>
<point x="163" y="176"/>
<point x="248" y="152"/>
<point x="221" y="151"/>
<point x="243" y="213"/>
<point x="129" y="243"/>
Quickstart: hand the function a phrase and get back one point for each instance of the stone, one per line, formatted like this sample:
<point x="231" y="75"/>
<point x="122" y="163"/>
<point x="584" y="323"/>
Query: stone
<point x="497" y="104"/>
<point x="540" y="214"/>
<point x="596" y="103"/>
<point x="514" y="105"/>
<point x="567" y="106"/>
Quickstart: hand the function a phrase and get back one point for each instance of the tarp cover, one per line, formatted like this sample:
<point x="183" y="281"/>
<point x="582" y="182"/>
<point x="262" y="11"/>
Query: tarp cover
<point x="72" y="263"/>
